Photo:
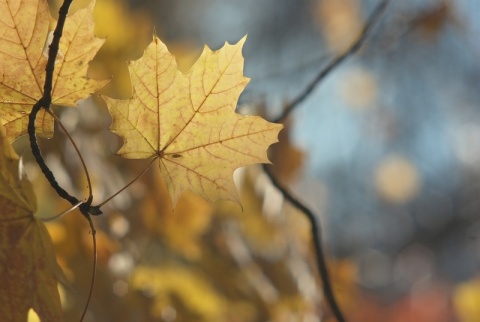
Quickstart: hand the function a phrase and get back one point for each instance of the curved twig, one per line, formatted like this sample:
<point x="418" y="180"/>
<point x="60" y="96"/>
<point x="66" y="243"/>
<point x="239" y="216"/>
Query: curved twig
<point x="371" y="22"/>
<point x="39" y="158"/>
<point x="45" y="102"/>
<point x="313" y="219"/>
<point x="63" y="213"/>
<point x="316" y="231"/>
<point x="85" y="170"/>
<point x="94" y="268"/>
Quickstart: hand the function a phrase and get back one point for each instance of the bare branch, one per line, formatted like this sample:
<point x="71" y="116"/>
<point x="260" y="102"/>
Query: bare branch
<point x="44" y="102"/>
<point x="367" y="29"/>
<point x="316" y="231"/>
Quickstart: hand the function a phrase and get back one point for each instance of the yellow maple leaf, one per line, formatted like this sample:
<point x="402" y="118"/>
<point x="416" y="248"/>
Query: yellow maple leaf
<point x="24" y="41"/>
<point x="28" y="268"/>
<point x="188" y="121"/>
<point x="188" y="286"/>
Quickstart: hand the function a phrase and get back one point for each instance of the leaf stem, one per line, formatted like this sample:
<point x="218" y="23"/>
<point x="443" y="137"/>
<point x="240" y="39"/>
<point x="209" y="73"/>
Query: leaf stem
<point x="63" y="213"/>
<point x="94" y="268"/>
<point x="374" y="18"/>
<point x="129" y="184"/>
<point x="316" y="231"/>
<point x="89" y="182"/>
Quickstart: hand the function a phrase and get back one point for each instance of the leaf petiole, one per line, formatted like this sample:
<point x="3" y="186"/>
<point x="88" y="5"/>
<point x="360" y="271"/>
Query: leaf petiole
<point x="128" y="184"/>
<point x="94" y="268"/>
<point x="89" y="183"/>
<point x="63" y="213"/>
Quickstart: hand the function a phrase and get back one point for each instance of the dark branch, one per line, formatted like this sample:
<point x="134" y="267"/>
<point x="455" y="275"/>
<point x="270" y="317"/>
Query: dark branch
<point x="45" y="103"/>
<point x="53" y="51"/>
<point x="317" y="243"/>
<point x="39" y="158"/>
<point x="314" y="221"/>
<point x="372" y="21"/>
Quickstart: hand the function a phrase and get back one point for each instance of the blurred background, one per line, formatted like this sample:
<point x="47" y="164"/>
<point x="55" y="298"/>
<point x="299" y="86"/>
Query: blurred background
<point x="386" y="151"/>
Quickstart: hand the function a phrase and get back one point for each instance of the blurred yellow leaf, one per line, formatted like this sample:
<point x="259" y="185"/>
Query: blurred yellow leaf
<point x="180" y="228"/>
<point x="359" y="89"/>
<point x="340" y="22"/>
<point x="28" y="268"/>
<point x="188" y="122"/>
<point x="397" y="179"/>
<point x="183" y="228"/>
<point x="466" y="299"/>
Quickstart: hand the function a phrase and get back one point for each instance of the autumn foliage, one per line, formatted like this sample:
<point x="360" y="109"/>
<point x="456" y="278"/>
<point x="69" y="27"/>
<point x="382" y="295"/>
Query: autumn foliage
<point x="29" y="272"/>
<point x="145" y="139"/>
<point x="185" y="121"/>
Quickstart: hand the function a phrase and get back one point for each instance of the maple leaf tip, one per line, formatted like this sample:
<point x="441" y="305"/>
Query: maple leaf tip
<point x="91" y="4"/>
<point x="240" y="43"/>
<point x="155" y="33"/>
<point x="242" y="40"/>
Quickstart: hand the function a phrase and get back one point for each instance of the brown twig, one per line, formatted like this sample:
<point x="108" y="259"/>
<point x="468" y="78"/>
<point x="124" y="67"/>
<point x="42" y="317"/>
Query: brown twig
<point x="94" y="268"/>
<point x="128" y="184"/>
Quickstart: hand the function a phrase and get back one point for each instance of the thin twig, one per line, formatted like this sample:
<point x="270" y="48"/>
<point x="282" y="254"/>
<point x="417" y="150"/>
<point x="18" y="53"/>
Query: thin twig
<point x="94" y="269"/>
<point x="372" y="21"/>
<point x="314" y="221"/>
<point x="63" y="213"/>
<point x="128" y="184"/>
<point x="315" y="228"/>
<point x="87" y="175"/>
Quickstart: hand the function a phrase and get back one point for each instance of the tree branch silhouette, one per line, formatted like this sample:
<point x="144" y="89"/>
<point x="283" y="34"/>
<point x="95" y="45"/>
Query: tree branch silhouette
<point x="85" y="207"/>
<point x="315" y="224"/>
<point x="44" y="102"/>
<point x="375" y="17"/>
<point x="316" y="230"/>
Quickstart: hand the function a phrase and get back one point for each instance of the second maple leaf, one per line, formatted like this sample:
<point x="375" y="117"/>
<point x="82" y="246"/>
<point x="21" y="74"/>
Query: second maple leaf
<point x="188" y="121"/>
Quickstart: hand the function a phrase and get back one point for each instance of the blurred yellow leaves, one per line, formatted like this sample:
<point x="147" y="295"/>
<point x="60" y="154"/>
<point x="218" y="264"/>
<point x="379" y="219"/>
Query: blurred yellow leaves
<point x="397" y="179"/>
<point x="236" y="263"/>
<point x="188" y="121"/>
<point x="466" y="300"/>
<point x="114" y="20"/>
<point x="182" y="227"/>
<point x="125" y="32"/>
<point x="188" y="286"/>
<point x="262" y="236"/>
